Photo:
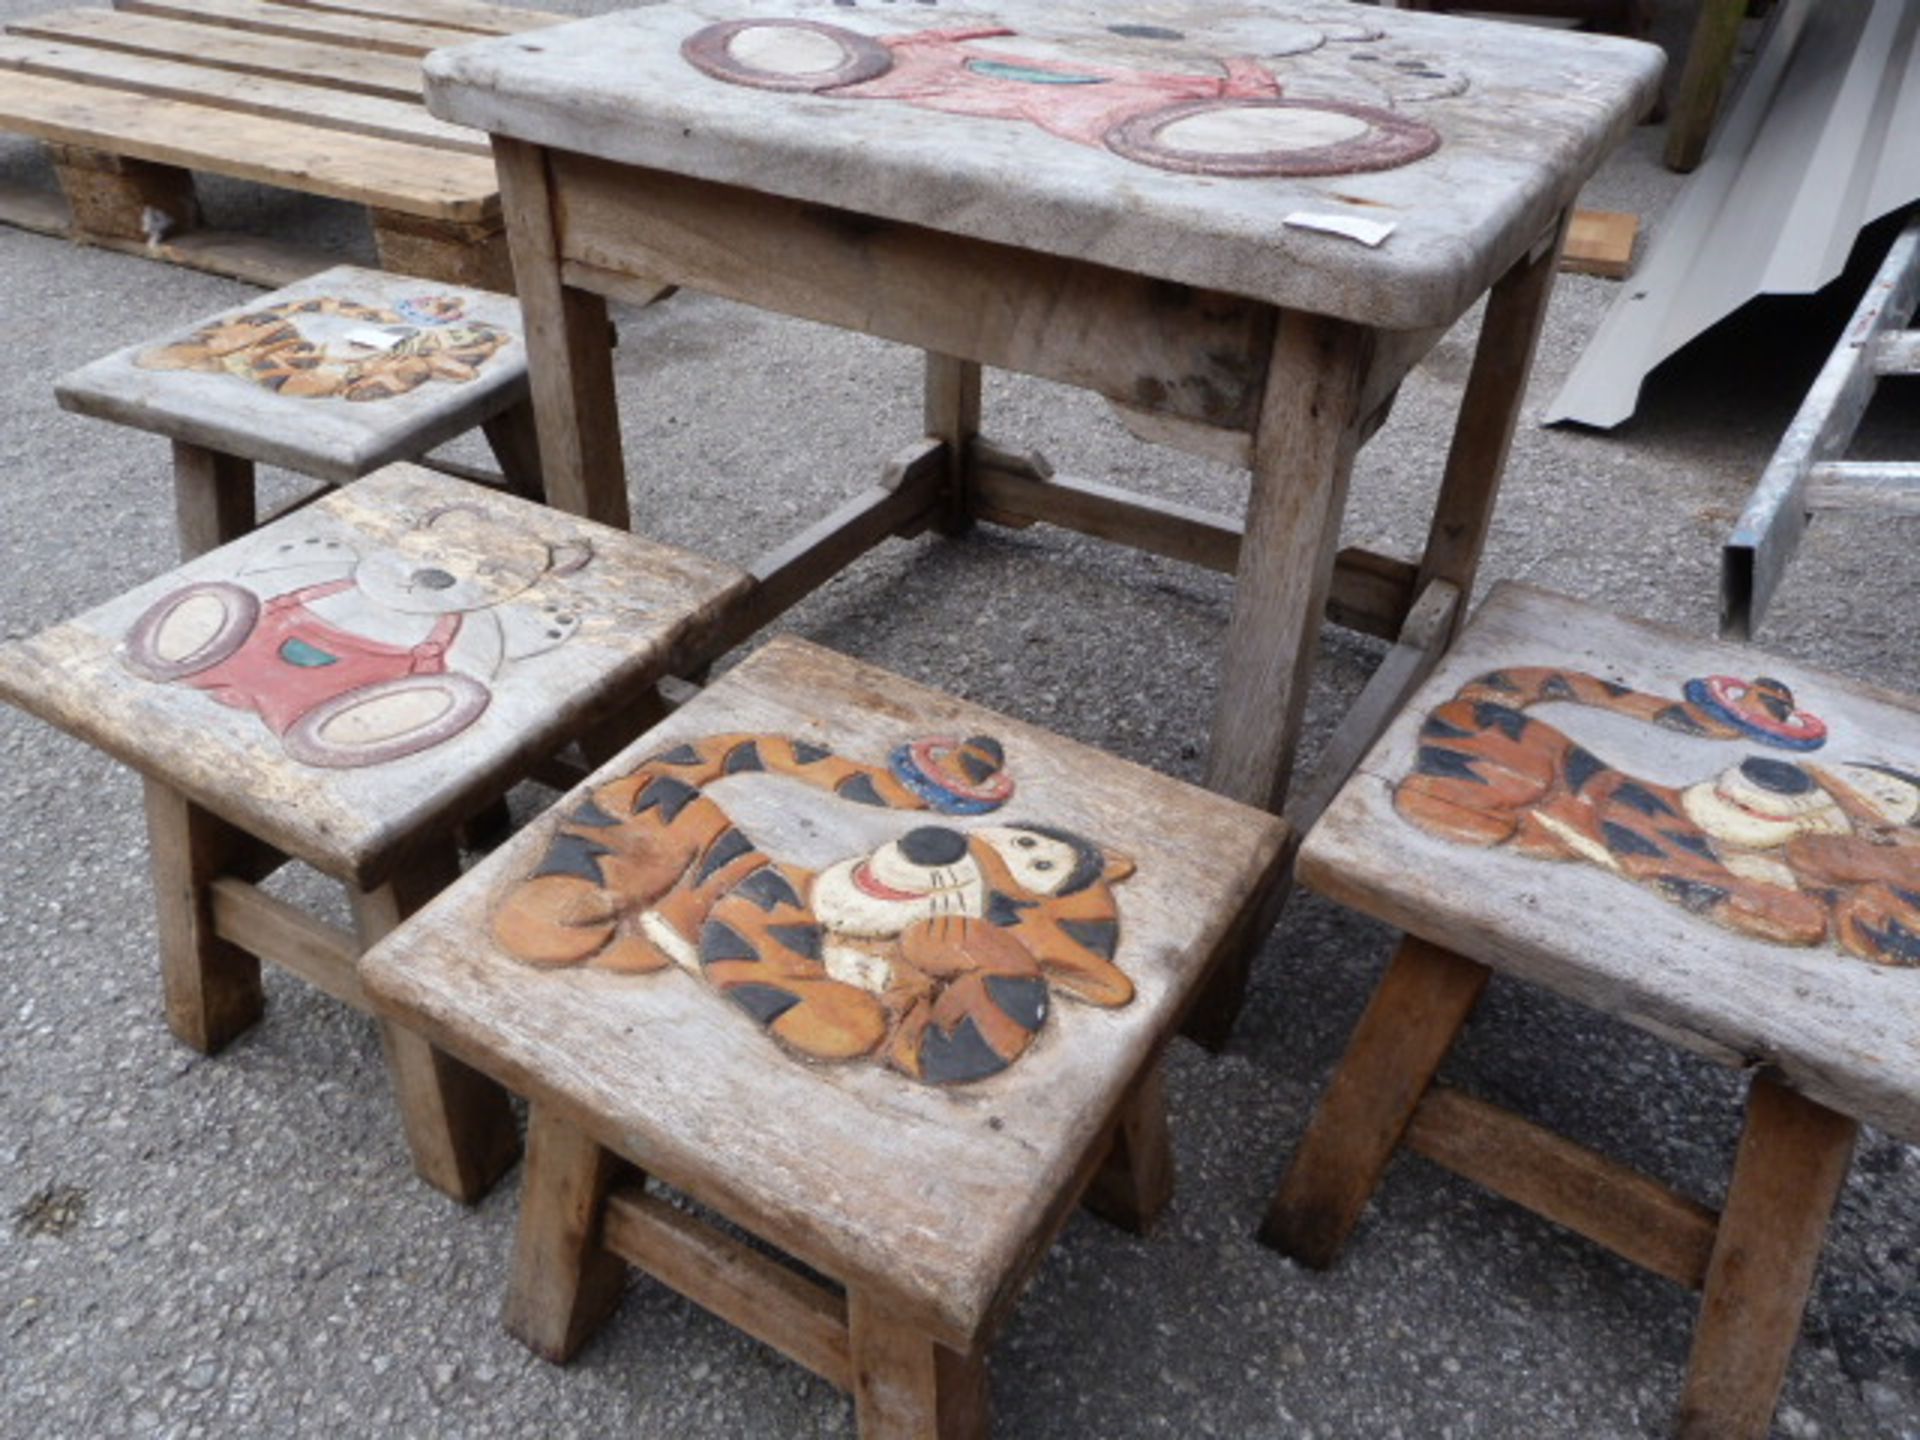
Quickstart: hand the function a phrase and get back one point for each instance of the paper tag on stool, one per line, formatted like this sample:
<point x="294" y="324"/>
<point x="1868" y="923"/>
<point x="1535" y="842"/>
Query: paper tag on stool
<point x="1367" y="232"/>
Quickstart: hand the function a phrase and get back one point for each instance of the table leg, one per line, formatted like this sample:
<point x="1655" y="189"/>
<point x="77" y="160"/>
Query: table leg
<point x="953" y="418"/>
<point x="213" y="498"/>
<point x="1303" y="451"/>
<point x="1483" y="432"/>
<point x="516" y="446"/>
<point x="569" y="350"/>
<point x="1792" y="1163"/>
<point x="459" y="1123"/>
<point x="908" y="1387"/>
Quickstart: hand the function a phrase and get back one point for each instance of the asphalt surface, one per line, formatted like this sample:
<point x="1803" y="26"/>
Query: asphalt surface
<point x="236" y="1246"/>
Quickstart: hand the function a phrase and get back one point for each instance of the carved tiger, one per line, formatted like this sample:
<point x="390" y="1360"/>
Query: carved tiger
<point x="1791" y="852"/>
<point x="429" y="340"/>
<point x="935" y="954"/>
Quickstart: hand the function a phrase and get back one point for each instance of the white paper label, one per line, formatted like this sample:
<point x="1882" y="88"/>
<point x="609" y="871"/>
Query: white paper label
<point x="1367" y="232"/>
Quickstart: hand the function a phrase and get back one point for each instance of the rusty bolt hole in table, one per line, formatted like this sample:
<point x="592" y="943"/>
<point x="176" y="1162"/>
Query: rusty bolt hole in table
<point x="1134" y="244"/>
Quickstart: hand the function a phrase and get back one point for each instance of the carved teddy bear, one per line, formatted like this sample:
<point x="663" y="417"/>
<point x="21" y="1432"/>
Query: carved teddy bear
<point x="357" y="656"/>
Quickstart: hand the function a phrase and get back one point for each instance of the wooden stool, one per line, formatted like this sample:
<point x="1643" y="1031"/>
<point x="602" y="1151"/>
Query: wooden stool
<point x="877" y="976"/>
<point x="344" y="687"/>
<point x="333" y="377"/>
<point x="1645" y="823"/>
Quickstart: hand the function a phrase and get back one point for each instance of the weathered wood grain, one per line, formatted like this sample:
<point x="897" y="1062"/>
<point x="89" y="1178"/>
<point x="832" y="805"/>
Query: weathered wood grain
<point x="211" y="986"/>
<point x="183" y="79"/>
<point x="1836" y="1026"/>
<point x="1303" y="458"/>
<point x="1192" y="353"/>
<point x="568" y="337"/>
<point x="1632" y="1215"/>
<point x="412" y="179"/>
<point x="268" y="927"/>
<point x="907" y="1387"/>
<point x="1483" y="431"/>
<point x="1135" y="1181"/>
<point x="474" y="15"/>
<point x="1537" y="112"/>
<point x="338" y="67"/>
<point x="776" y="1305"/>
<point x="1709" y="59"/>
<point x="632" y="610"/>
<point x="116" y="198"/>
<point x="356" y="32"/>
<point x="331" y="437"/>
<point x="1787" y="1176"/>
<point x="1404" y="1034"/>
<point x="1600" y="242"/>
<point x="564" y="1281"/>
<point x="213" y="499"/>
<point x="458" y="1122"/>
<point x="862" y="1185"/>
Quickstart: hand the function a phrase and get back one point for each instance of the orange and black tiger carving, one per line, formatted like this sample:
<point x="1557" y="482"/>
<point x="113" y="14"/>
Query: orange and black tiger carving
<point x="423" y="338"/>
<point x="935" y="954"/>
<point x="1787" y="851"/>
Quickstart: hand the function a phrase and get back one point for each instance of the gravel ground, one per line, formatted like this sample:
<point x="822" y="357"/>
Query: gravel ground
<point x="236" y="1246"/>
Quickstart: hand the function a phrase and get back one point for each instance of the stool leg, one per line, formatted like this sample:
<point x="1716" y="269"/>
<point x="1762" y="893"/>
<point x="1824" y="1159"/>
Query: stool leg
<point x="906" y="1386"/>
<point x="212" y="498"/>
<point x="563" y="1283"/>
<point x="1792" y="1163"/>
<point x="1135" y="1181"/>
<point x="1409" y="1025"/>
<point x="516" y="445"/>
<point x="953" y="414"/>
<point x="458" y="1122"/>
<point x="212" y="987"/>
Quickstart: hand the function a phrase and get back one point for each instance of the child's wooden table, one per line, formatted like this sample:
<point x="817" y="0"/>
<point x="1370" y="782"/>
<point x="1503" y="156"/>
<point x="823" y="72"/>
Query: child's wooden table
<point x="1136" y="206"/>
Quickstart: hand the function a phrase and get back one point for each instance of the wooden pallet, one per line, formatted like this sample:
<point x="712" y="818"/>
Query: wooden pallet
<point x="317" y="96"/>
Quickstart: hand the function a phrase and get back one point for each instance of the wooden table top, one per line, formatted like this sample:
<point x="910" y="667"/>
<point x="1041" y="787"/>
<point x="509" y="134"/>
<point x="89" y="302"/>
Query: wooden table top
<point x="914" y="1167"/>
<point x="1567" y="799"/>
<point x="1175" y="143"/>
<point x="492" y="629"/>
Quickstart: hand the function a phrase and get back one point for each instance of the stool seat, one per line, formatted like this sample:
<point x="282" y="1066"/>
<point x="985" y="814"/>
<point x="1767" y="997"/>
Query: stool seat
<point x="1716" y="846"/>
<point x="375" y="666"/>
<point x="348" y="685"/>
<point x="867" y="970"/>
<point x="334" y="377"/>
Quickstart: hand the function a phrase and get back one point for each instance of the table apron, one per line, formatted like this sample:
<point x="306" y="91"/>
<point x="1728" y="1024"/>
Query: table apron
<point x="1197" y="356"/>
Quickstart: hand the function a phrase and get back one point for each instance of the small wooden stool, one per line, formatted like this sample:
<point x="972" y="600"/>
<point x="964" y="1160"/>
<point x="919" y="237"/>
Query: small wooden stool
<point x="1721" y="848"/>
<point x="344" y="687"/>
<point x="879" y="977"/>
<point x="334" y="377"/>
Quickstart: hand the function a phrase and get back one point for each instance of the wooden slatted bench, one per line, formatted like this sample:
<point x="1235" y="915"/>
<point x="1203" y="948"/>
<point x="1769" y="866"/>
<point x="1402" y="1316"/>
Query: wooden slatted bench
<point x="1713" y="845"/>
<point x="877" y="976"/>
<point x="324" y="100"/>
<point x="345" y="687"/>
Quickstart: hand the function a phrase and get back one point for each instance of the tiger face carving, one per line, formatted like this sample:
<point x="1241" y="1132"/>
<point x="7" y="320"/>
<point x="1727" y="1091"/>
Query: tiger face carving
<point x="328" y="347"/>
<point x="1788" y="851"/>
<point x="936" y="954"/>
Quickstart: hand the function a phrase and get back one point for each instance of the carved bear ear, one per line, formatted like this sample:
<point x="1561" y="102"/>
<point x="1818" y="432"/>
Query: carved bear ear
<point x="1119" y="866"/>
<point x="569" y="557"/>
<point x="440" y="513"/>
